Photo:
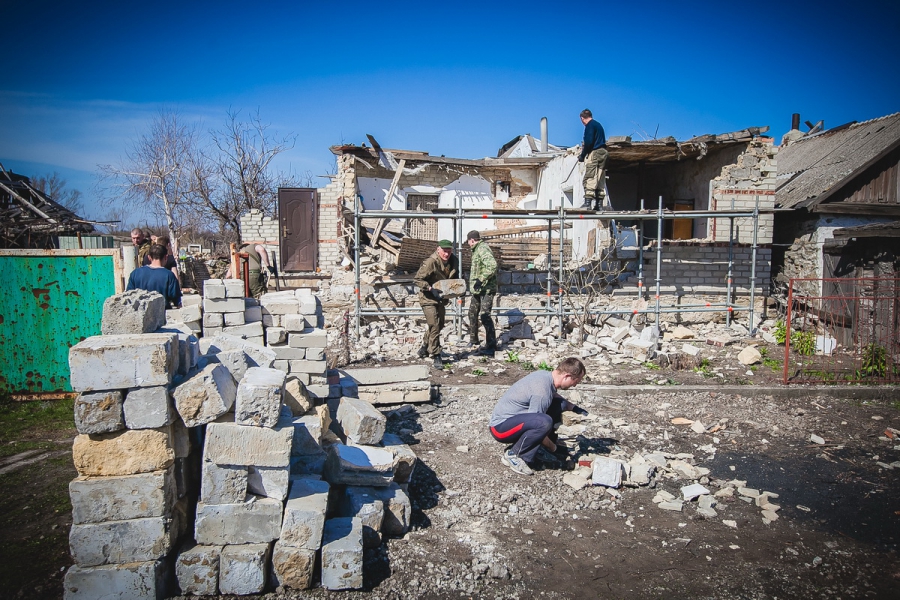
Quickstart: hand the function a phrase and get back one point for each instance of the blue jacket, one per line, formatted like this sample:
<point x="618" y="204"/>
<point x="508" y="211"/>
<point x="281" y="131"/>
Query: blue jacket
<point x="593" y="138"/>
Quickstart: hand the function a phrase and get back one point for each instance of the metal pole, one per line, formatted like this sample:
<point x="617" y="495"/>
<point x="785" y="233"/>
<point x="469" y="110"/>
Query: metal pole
<point x="562" y="237"/>
<point x="550" y="267"/>
<point x="357" y="221"/>
<point x="659" y="236"/>
<point x="751" y="317"/>
<point x="640" y="285"/>
<point x="458" y="242"/>
<point x="728" y="279"/>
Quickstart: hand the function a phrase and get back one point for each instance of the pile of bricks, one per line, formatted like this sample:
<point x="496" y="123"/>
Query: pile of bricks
<point x="226" y="310"/>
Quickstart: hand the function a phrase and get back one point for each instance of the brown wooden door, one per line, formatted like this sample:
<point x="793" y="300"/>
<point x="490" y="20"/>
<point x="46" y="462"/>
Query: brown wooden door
<point x="298" y="216"/>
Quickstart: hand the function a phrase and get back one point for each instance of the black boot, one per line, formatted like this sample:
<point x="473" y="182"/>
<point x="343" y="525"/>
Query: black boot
<point x="422" y="353"/>
<point x="438" y="363"/>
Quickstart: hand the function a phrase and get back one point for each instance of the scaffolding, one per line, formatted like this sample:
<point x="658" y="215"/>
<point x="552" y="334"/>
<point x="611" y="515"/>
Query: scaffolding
<point x="555" y="307"/>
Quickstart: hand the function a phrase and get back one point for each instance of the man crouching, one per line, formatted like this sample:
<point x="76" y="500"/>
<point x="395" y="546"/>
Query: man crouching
<point x="525" y="414"/>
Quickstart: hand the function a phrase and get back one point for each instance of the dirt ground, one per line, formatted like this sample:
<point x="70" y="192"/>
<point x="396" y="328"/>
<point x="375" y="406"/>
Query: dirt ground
<point x="481" y="531"/>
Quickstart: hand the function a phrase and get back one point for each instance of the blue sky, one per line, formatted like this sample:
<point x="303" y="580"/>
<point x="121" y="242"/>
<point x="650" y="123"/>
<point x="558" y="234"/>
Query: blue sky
<point x="82" y="80"/>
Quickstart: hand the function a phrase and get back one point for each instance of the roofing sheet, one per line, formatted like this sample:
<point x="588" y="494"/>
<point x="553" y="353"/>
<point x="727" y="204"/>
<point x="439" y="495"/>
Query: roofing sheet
<point x="811" y="168"/>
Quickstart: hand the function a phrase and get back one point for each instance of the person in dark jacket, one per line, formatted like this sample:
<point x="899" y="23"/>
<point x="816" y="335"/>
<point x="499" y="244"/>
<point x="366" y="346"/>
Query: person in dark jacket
<point x="437" y="267"/>
<point x="155" y="277"/>
<point x="593" y="155"/>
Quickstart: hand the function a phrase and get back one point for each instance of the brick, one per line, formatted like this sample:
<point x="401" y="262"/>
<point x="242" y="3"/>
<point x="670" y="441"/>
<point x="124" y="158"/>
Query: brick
<point x="360" y="422"/>
<point x="99" y="412"/>
<point x="234" y="288"/>
<point x="133" y="312"/>
<point x="242" y="569"/>
<point x="294" y="323"/>
<point x="224" y="305"/>
<point x="117" y="542"/>
<point x="342" y="554"/>
<point x="197" y="570"/>
<point x="204" y="397"/>
<point x="309" y="338"/>
<point x="288" y="353"/>
<point x="233" y="444"/>
<point x="134" y="580"/>
<point x="250" y="330"/>
<point x="315" y="354"/>
<point x="99" y="499"/>
<point x="213" y="319"/>
<point x="259" y="397"/>
<point x="252" y="522"/>
<point x="316" y="367"/>
<point x="148" y="408"/>
<point x="275" y="335"/>
<point x="304" y="513"/>
<point x="293" y="567"/>
<point x="123" y="453"/>
<point x="115" y="362"/>
<point x="233" y="319"/>
<point x="214" y="289"/>
<point x="223" y="484"/>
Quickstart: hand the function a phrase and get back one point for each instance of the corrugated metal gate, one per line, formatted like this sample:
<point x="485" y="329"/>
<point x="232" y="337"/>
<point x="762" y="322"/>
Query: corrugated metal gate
<point x="848" y="334"/>
<point x="51" y="300"/>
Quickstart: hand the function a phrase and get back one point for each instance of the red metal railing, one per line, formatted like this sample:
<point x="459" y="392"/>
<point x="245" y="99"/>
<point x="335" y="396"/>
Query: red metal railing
<point x="842" y="331"/>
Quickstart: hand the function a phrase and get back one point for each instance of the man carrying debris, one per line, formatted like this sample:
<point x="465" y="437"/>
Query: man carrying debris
<point x="483" y="285"/>
<point x="437" y="267"/>
<point x="593" y="155"/>
<point x="258" y="259"/>
<point x="142" y="243"/>
<point x="155" y="277"/>
<point x="524" y="416"/>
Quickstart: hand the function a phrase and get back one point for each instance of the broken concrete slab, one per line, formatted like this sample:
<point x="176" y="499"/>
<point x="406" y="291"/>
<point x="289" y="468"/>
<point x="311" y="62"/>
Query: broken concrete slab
<point x="127" y="452"/>
<point x="607" y="472"/>
<point x="134" y="580"/>
<point x="99" y="412"/>
<point x="116" y="362"/>
<point x="450" y="288"/>
<point x="205" y="396"/>
<point x="242" y="569"/>
<point x="404" y="458"/>
<point x="342" y="554"/>
<point x="259" y="395"/>
<point x="360" y="422"/>
<point x="134" y="311"/>
<point x="358" y="465"/>
<point x="258" y="520"/>
<point x="689" y="492"/>
<point x="233" y="444"/>
<point x="148" y="408"/>
<point x="197" y="570"/>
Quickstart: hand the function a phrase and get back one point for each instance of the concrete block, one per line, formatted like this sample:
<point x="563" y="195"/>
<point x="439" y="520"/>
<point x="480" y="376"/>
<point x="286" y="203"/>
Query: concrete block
<point x="250" y="330"/>
<point x="288" y="353"/>
<point x="211" y="319"/>
<point x="256" y="521"/>
<point x="349" y="387"/>
<point x="258" y="340"/>
<point x="127" y="452"/>
<point x="191" y="313"/>
<point x="260" y="356"/>
<point x="450" y="288"/>
<point x="233" y="444"/>
<point x="224" y="305"/>
<point x="294" y="323"/>
<point x="358" y="465"/>
<point x="410" y="392"/>
<point x="279" y="303"/>
<point x="223" y="484"/>
<point x="364" y="504"/>
<point x="308" y="432"/>
<point x="212" y="331"/>
<point x="313" y="367"/>
<point x="360" y="422"/>
<point x="309" y="338"/>
<point x="99" y="412"/>
<point x="271" y="320"/>
<point x="234" y="288"/>
<point x="293" y="567"/>
<point x="196" y="327"/>
<point x="304" y="514"/>
<point x="115" y="362"/>
<point x="607" y="472"/>
<point x="232" y="319"/>
<point x="99" y="499"/>
<point x="308" y="305"/>
<point x="148" y="408"/>
<point x="179" y="438"/>
<point x="117" y="542"/>
<point x="342" y="554"/>
<point x="134" y="311"/>
<point x="377" y="376"/>
<point x="191" y="300"/>
<point x="308" y="464"/>
<point x="271" y="482"/>
<point x="214" y="288"/>
<point x="205" y="396"/>
<point x="397" y="508"/>
<point x="252" y="314"/>
<point x="259" y="396"/>
<point x="295" y="396"/>
<point x="276" y="335"/>
<point x="250" y="302"/>
<point x="134" y="580"/>
<point x="317" y="354"/>
<point x="242" y="569"/>
<point x="404" y="458"/>
<point x="323" y="391"/>
<point x="197" y="570"/>
<point x="236" y="361"/>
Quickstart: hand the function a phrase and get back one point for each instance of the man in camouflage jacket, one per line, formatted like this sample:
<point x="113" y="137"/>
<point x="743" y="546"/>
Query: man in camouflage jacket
<point x="437" y="267"/>
<point x="483" y="285"/>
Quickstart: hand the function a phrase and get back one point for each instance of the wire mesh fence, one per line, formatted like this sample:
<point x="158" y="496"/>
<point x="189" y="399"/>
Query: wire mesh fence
<point x="842" y="331"/>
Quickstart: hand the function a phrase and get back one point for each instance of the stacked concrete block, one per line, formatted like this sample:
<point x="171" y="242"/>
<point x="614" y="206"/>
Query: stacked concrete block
<point x="342" y="554"/>
<point x="129" y="508"/>
<point x="190" y="314"/>
<point x="226" y="310"/>
<point x="294" y="555"/>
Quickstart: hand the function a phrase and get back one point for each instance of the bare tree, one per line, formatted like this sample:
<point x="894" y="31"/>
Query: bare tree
<point x="54" y="186"/>
<point x="156" y="173"/>
<point x="236" y="175"/>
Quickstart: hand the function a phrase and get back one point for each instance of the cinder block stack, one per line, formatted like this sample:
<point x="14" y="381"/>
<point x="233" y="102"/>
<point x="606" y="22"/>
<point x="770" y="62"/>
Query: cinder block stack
<point x="294" y="331"/>
<point x="190" y="314"/>
<point x="226" y="310"/>
<point x="131" y="500"/>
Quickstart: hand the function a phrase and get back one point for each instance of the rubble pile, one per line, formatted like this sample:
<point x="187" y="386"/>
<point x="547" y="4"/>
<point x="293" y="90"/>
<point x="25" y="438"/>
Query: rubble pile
<point x="270" y="488"/>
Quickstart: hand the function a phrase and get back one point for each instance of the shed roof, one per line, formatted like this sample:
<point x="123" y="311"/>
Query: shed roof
<point x="813" y="168"/>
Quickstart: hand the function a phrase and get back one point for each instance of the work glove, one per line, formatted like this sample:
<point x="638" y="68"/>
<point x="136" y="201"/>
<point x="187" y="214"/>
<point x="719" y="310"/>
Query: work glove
<point x="476" y="286"/>
<point x="271" y="270"/>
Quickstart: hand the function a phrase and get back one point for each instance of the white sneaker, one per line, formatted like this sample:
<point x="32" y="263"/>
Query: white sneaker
<point x="515" y="463"/>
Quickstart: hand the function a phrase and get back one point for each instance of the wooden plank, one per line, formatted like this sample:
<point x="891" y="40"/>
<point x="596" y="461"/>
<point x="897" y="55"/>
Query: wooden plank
<point x="387" y="201"/>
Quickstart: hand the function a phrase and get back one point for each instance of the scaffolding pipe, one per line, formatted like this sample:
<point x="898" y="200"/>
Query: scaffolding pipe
<point x="640" y="240"/>
<point x="752" y="316"/>
<point x="728" y="278"/>
<point x="534" y="216"/>
<point x="356" y="286"/>
<point x="659" y="237"/>
<point x="562" y="237"/>
<point x="697" y="308"/>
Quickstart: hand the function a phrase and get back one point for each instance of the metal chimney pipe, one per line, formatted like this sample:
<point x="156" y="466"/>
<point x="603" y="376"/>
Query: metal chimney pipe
<point x="543" y="134"/>
<point x="795" y="121"/>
